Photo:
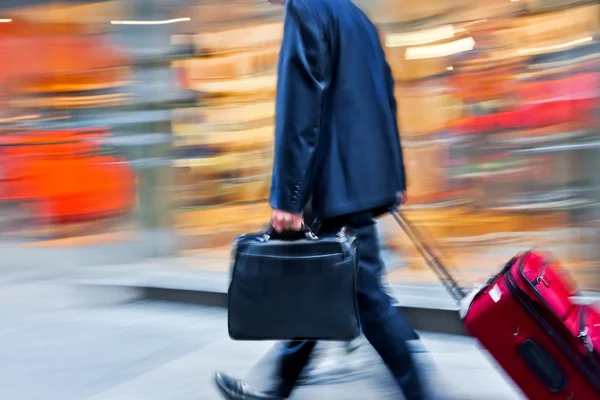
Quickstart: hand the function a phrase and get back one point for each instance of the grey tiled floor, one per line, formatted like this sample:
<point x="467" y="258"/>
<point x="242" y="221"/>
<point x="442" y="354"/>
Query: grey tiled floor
<point x="56" y="347"/>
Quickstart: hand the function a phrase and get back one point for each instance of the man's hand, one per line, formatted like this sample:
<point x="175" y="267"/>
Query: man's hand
<point x="401" y="198"/>
<point x="286" y="221"/>
<point x="404" y="198"/>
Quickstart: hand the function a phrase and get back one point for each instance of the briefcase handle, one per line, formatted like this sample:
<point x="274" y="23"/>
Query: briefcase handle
<point x="289" y="235"/>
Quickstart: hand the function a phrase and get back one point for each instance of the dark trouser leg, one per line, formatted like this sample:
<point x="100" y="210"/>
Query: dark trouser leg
<point x="292" y="358"/>
<point x="384" y="326"/>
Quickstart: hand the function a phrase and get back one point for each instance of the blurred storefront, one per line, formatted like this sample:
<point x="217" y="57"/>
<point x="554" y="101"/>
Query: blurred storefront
<point x="498" y="108"/>
<point x="85" y="128"/>
<point x="224" y="145"/>
<point x="125" y="118"/>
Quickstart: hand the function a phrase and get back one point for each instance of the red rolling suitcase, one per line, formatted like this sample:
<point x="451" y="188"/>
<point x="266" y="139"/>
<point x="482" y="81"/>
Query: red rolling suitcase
<point x="525" y="317"/>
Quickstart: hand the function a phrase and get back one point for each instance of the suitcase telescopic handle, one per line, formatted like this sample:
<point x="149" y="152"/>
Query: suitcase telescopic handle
<point x="429" y="256"/>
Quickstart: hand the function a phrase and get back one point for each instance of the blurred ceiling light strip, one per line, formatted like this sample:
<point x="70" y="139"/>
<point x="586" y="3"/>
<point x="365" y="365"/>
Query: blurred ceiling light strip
<point x="421" y="37"/>
<point x="440" y="50"/>
<point x="5" y="20"/>
<point x="19" y="118"/>
<point x="477" y="21"/>
<point x="159" y="22"/>
<point x="556" y="46"/>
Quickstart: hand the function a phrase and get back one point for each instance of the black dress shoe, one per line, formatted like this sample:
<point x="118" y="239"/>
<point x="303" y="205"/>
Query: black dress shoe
<point x="234" y="389"/>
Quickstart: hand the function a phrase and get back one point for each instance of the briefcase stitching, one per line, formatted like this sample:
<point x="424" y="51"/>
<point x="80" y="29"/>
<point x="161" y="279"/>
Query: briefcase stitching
<point x="292" y="257"/>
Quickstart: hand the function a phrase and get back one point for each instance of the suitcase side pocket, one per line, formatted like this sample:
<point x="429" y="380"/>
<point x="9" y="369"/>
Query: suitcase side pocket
<point x="543" y="365"/>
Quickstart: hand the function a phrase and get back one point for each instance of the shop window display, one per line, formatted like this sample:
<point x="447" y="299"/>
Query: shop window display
<point x="520" y="154"/>
<point x="60" y="181"/>
<point x="498" y="109"/>
<point x="84" y="138"/>
<point x="498" y="112"/>
<point x="224" y="146"/>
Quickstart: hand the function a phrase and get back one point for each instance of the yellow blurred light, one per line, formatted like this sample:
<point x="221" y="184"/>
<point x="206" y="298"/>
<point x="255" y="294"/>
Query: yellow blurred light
<point x="158" y="22"/>
<point x="556" y="46"/>
<point x="420" y="37"/>
<point x="19" y="118"/>
<point x="479" y="21"/>
<point x="5" y="20"/>
<point x="440" y="50"/>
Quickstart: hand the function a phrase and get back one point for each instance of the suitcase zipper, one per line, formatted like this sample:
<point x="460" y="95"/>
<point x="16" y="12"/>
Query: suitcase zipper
<point x="540" y="278"/>
<point x="584" y="336"/>
<point x="584" y="333"/>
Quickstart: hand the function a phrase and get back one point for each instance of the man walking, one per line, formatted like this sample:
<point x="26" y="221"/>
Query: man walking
<point x="337" y="145"/>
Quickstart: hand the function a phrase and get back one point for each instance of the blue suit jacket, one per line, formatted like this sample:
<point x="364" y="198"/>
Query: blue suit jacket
<point x="336" y="135"/>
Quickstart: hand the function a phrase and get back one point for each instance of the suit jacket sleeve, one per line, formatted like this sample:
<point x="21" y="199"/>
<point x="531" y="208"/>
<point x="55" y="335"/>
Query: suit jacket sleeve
<point x="394" y="107"/>
<point x="300" y="88"/>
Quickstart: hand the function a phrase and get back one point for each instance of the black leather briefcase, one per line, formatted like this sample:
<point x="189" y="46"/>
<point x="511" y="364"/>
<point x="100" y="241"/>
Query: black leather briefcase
<point x="294" y="286"/>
